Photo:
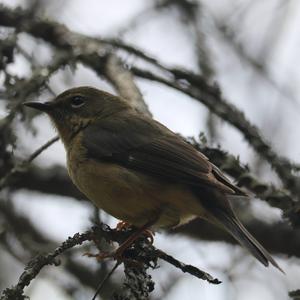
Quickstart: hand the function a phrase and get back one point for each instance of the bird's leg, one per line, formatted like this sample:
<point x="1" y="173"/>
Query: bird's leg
<point x="118" y="253"/>
<point x="105" y="254"/>
<point x="144" y="230"/>
<point x="149" y="234"/>
<point x="122" y="225"/>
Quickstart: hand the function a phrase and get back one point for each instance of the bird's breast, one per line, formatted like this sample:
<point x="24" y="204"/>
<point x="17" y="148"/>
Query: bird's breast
<point x="129" y="195"/>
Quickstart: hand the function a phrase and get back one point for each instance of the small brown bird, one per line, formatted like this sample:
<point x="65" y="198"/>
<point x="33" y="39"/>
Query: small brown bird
<point x="138" y="170"/>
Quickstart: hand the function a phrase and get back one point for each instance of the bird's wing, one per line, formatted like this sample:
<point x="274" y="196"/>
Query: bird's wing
<point x="147" y="146"/>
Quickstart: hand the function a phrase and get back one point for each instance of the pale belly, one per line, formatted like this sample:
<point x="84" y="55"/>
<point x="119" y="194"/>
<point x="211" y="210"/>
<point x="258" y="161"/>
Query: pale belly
<point x="134" y="197"/>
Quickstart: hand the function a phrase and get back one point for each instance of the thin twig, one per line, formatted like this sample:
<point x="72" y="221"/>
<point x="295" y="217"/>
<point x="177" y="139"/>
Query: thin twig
<point x="24" y="164"/>
<point x="108" y="275"/>
<point x="186" y="268"/>
<point x="41" y="149"/>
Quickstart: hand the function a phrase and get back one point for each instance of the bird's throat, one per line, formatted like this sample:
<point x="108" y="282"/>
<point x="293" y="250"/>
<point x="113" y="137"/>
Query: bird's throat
<point x="68" y="130"/>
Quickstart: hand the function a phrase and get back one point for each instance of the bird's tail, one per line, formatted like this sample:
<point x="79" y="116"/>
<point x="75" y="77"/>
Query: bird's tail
<point x="243" y="236"/>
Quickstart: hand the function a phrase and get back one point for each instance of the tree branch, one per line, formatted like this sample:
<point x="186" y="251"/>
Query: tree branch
<point x="123" y="81"/>
<point x="137" y="259"/>
<point x="25" y="164"/>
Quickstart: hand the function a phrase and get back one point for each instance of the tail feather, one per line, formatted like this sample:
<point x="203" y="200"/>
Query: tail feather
<point x="221" y="212"/>
<point x="243" y="236"/>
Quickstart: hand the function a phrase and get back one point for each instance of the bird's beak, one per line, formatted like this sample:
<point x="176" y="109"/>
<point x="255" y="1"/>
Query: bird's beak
<point x="45" y="107"/>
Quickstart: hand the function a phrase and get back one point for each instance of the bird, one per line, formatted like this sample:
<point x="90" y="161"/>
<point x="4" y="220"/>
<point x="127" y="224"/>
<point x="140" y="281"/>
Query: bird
<point x="138" y="170"/>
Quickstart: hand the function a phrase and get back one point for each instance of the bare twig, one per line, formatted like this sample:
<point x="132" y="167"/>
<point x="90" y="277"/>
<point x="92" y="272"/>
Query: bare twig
<point x="37" y="152"/>
<point x="186" y="268"/>
<point x="24" y="164"/>
<point x="105" y="279"/>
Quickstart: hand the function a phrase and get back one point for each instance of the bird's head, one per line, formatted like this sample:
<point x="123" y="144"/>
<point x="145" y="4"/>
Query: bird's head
<point x="75" y="108"/>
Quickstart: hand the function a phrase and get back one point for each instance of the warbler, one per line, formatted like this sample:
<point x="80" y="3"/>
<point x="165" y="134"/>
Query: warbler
<point x="138" y="170"/>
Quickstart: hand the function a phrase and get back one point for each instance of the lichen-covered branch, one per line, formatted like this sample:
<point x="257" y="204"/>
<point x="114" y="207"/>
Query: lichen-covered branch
<point x="137" y="260"/>
<point x="123" y="81"/>
<point x="31" y="239"/>
<point x="34" y="266"/>
<point x="231" y="165"/>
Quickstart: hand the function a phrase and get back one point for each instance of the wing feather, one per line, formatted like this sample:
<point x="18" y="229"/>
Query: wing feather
<point x="147" y="146"/>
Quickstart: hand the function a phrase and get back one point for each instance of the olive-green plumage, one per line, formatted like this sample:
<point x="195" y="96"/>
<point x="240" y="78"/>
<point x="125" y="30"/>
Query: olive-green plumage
<point x="138" y="170"/>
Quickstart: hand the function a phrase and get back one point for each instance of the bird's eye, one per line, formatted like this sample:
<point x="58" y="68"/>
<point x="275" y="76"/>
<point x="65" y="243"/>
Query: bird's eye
<point x="77" y="101"/>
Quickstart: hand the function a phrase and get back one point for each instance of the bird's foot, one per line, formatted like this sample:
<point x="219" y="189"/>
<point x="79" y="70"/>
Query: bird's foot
<point x="149" y="234"/>
<point x="122" y="225"/>
<point x="118" y="254"/>
<point x="99" y="256"/>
